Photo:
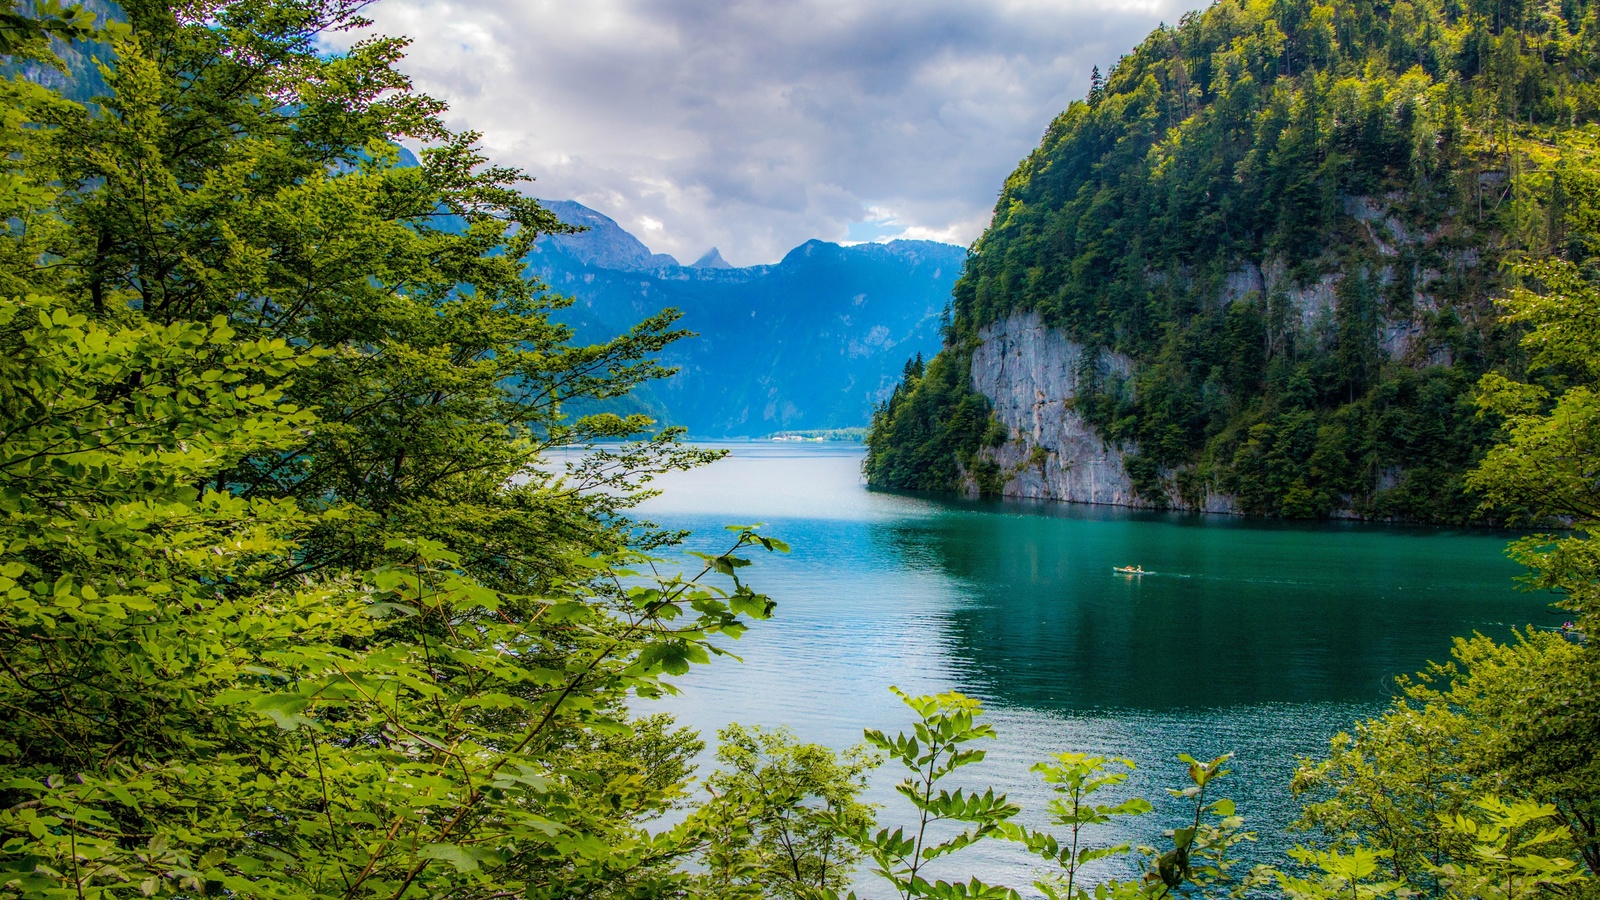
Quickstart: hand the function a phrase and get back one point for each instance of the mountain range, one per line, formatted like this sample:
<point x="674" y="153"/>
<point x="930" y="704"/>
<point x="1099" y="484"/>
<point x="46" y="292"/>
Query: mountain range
<point x="812" y="342"/>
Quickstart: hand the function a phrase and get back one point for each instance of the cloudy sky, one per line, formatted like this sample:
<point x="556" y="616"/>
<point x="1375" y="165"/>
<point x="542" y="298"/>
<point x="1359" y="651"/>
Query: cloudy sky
<point x="755" y="125"/>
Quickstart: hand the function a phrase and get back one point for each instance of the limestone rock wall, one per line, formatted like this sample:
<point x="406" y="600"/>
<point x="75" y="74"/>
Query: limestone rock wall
<point x="1030" y="374"/>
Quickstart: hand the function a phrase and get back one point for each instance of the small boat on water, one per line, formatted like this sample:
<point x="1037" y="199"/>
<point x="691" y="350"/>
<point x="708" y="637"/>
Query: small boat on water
<point x="1128" y="570"/>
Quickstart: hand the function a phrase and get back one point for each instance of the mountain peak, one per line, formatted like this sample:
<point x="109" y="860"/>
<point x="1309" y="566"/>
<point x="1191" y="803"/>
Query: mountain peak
<point x="605" y="244"/>
<point x="711" y="260"/>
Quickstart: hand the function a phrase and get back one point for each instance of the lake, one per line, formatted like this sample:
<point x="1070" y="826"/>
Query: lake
<point x="1259" y="638"/>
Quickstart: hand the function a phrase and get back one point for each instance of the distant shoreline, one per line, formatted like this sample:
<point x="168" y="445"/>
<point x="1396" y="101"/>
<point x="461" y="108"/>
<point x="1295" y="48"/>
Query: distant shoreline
<point x="839" y="435"/>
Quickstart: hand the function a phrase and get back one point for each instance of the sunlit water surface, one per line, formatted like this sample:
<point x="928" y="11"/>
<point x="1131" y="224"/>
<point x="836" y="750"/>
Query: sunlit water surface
<point x="1257" y="638"/>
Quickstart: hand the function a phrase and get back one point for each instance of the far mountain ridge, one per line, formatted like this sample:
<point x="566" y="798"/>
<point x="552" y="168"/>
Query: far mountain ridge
<point x="811" y="342"/>
<point x="604" y="244"/>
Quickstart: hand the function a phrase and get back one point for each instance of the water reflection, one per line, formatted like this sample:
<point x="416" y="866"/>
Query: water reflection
<point x="1254" y="638"/>
<point x="1231" y="613"/>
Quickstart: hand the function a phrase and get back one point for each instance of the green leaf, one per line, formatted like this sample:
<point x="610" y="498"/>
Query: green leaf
<point x="462" y="858"/>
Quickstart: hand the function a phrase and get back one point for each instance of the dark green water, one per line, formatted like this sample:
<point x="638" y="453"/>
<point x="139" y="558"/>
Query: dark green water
<point x="1262" y="639"/>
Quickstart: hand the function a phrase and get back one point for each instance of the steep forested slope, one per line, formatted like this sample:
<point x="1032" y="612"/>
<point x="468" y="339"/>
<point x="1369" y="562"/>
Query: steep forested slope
<point x="1255" y="268"/>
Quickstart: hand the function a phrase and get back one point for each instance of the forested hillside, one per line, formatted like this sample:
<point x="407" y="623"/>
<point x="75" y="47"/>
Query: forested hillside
<point x="1272" y="237"/>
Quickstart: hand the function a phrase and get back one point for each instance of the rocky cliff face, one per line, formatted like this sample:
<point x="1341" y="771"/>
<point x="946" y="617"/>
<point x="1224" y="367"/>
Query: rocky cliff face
<point x="1030" y="374"/>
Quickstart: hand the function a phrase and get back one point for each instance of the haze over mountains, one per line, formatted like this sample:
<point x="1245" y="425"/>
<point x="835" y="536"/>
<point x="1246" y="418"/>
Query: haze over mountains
<point x="811" y="342"/>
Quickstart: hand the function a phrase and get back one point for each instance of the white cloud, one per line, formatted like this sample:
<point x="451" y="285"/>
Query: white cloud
<point x="754" y="125"/>
<point x="954" y="233"/>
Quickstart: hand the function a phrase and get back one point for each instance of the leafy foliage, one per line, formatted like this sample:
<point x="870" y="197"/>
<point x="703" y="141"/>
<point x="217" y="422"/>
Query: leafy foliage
<point x="1508" y="843"/>
<point x="1076" y="778"/>
<point x="1393" y="826"/>
<point x="1500" y="721"/>
<point x="1201" y="860"/>
<point x="26" y="33"/>
<point x="1198" y="864"/>
<point x="930" y="754"/>
<point x="781" y="813"/>
<point x="1543" y="472"/>
<point x="291" y="608"/>
<point x="1335" y="874"/>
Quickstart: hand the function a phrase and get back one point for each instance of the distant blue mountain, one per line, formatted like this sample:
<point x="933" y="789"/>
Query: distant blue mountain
<point x="812" y="342"/>
<point x="604" y="246"/>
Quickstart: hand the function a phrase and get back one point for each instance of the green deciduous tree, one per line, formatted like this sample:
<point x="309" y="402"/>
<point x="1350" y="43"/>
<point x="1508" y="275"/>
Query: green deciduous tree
<point x="1199" y="863"/>
<point x="295" y="602"/>
<point x="282" y="204"/>
<point x="1509" y="846"/>
<point x="1544" y="470"/>
<point x="25" y="33"/>
<point x="1332" y="874"/>
<point x="927" y="434"/>
<point x="1502" y="720"/>
<point x="781" y="814"/>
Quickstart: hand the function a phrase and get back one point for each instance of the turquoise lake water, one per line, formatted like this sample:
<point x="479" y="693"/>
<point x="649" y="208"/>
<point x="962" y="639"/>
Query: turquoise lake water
<point x="1258" y="638"/>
